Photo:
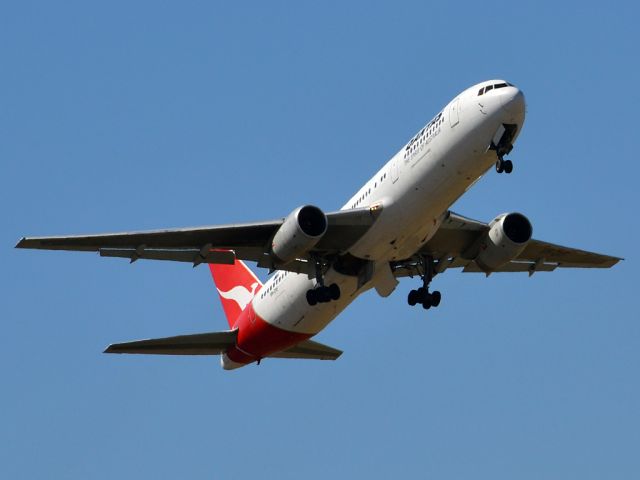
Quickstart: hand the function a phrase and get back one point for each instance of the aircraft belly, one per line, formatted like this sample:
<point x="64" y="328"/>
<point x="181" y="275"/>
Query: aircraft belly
<point x="427" y="191"/>
<point x="290" y="311"/>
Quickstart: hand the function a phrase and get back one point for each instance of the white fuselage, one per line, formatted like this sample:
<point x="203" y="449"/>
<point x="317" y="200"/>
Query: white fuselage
<point x="415" y="188"/>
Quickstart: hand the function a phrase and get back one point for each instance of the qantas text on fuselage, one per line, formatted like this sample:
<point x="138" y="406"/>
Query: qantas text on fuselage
<point x="398" y="224"/>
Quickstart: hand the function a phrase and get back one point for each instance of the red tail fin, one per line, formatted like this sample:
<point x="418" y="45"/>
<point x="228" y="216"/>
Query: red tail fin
<point x="236" y="285"/>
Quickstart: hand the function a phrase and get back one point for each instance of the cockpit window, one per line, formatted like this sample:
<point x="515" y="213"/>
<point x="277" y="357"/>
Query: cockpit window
<point x="484" y="90"/>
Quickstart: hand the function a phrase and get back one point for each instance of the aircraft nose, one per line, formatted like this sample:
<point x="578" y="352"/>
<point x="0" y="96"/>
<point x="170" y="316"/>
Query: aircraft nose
<point x="513" y="101"/>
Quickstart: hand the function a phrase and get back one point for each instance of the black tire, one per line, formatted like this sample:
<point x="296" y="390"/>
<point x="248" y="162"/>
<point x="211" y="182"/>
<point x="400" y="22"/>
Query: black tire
<point x="426" y="304"/>
<point x="435" y="298"/>
<point x="421" y="294"/>
<point x="412" y="299"/>
<point x="334" y="291"/>
<point x="312" y="298"/>
<point x="323" y="294"/>
<point x="508" y="166"/>
<point x="499" y="166"/>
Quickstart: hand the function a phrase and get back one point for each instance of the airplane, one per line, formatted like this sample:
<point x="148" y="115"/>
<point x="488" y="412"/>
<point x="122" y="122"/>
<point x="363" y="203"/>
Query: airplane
<point x="398" y="224"/>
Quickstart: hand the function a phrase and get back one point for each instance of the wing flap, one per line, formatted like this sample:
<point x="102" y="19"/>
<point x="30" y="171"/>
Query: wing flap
<point x="224" y="257"/>
<point x="198" y="344"/>
<point x="529" y="267"/>
<point x="309" y="349"/>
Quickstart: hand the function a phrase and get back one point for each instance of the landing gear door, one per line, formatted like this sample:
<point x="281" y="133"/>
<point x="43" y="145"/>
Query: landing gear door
<point x="454" y="113"/>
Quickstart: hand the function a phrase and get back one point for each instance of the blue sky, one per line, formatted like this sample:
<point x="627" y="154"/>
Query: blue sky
<point x="120" y="115"/>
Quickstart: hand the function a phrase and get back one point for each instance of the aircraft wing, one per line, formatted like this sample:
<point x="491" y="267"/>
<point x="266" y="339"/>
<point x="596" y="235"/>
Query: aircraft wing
<point x="453" y="243"/>
<point x="246" y="241"/>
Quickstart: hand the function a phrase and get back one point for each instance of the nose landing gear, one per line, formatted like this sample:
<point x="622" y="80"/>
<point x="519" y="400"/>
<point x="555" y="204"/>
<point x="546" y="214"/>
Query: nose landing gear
<point x="503" y="165"/>
<point x="422" y="295"/>
<point x="502" y="144"/>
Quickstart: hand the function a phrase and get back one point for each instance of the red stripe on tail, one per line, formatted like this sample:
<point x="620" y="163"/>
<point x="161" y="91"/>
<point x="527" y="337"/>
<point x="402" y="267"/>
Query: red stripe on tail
<point x="236" y="285"/>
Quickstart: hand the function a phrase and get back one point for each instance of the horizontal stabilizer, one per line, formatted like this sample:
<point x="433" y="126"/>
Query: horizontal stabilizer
<point x="309" y="349"/>
<point x="198" y="344"/>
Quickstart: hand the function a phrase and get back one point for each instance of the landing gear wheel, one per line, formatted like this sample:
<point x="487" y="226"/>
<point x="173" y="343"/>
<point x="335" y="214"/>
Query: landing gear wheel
<point x="323" y="294"/>
<point x="504" y="166"/>
<point x="426" y="303"/>
<point x="435" y="298"/>
<point x="312" y="299"/>
<point x="334" y="291"/>
<point x="412" y="299"/>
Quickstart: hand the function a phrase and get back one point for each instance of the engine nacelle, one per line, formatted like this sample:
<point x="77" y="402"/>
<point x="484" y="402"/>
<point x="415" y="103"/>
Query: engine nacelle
<point x="300" y="232"/>
<point x="506" y="239"/>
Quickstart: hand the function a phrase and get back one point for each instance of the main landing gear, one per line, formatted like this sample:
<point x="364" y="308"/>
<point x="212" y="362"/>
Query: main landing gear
<point x="422" y="295"/>
<point x="322" y="293"/>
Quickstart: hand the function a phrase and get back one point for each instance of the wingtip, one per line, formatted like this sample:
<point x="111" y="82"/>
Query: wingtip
<point x="613" y="262"/>
<point x="29" y="242"/>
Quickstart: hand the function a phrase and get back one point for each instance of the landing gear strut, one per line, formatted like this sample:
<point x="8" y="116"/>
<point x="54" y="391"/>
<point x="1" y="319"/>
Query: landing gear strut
<point x="503" y="165"/>
<point x="422" y="295"/>
<point x="322" y="293"/>
<point x="504" y="147"/>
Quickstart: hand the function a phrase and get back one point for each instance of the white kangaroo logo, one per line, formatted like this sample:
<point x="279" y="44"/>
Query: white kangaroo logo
<point x="239" y="294"/>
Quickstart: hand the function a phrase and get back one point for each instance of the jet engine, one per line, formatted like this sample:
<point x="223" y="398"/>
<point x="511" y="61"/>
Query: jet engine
<point x="301" y="230"/>
<point x="507" y="237"/>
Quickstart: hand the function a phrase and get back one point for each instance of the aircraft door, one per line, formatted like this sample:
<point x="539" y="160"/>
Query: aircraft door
<point x="395" y="170"/>
<point x="454" y="113"/>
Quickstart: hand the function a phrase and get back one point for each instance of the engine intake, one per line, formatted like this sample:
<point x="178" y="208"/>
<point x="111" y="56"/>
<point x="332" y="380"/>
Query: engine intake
<point x="301" y="230"/>
<point x="507" y="237"/>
